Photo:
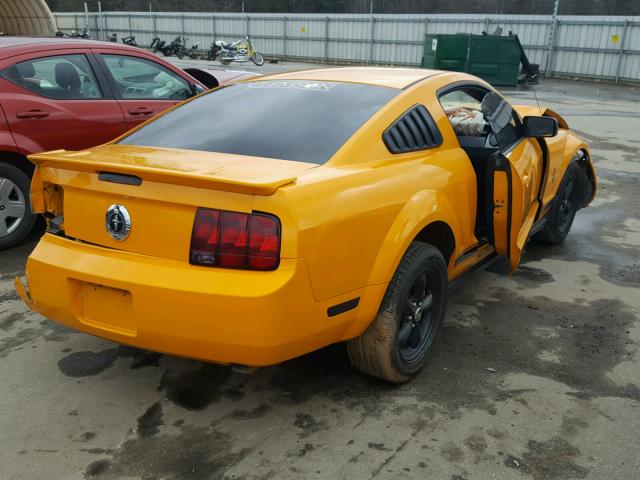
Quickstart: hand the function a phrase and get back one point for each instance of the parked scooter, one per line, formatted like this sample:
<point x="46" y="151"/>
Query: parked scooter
<point x="130" y="40"/>
<point x="238" y="51"/>
<point x="112" y="38"/>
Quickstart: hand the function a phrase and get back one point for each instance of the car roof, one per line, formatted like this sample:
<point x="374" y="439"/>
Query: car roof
<point x="10" y="46"/>
<point x="381" y="76"/>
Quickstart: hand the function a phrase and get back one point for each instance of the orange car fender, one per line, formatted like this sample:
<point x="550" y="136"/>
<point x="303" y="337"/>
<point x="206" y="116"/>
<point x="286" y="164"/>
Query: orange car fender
<point x="422" y="209"/>
<point x="574" y="145"/>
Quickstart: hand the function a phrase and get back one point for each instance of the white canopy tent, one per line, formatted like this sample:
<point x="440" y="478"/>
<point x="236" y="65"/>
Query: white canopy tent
<point x="26" y="17"/>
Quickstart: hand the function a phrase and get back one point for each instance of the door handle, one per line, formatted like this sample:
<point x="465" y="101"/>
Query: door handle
<point x="141" y="111"/>
<point x="32" y="114"/>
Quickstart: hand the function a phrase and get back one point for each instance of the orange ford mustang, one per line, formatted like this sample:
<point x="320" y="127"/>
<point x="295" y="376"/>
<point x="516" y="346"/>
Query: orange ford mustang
<point x="270" y="218"/>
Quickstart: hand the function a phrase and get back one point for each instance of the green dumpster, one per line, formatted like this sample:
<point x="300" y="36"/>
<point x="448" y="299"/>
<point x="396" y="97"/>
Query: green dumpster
<point x="493" y="58"/>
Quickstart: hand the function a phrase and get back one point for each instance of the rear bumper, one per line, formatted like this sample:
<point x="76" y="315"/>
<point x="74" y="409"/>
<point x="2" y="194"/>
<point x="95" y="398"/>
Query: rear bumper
<point x="223" y="316"/>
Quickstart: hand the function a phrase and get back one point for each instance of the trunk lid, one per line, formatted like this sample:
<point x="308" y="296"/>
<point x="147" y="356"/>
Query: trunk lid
<point x="160" y="188"/>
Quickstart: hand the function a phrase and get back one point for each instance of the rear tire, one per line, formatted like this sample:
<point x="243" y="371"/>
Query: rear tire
<point x="563" y="211"/>
<point x="225" y="61"/>
<point x="399" y="341"/>
<point x="16" y="219"/>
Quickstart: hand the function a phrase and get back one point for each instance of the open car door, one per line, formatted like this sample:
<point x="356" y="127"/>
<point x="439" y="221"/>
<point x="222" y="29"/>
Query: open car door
<point x="514" y="177"/>
<point x="514" y="210"/>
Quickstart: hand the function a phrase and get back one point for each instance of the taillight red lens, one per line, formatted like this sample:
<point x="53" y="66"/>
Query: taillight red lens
<point x="232" y="249"/>
<point x="235" y="240"/>
<point x="264" y="242"/>
<point x="204" y="237"/>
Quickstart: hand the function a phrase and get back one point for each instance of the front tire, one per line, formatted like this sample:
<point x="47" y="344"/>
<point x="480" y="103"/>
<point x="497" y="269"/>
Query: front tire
<point x="399" y="341"/>
<point x="16" y="219"/>
<point x="258" y="59"/>
<point x="225" y="61"/>
<point x="563" y="211"/>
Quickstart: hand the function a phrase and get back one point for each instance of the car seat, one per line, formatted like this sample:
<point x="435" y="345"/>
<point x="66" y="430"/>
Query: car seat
<point x="68" y="80"/>
<point x="28" y="76"/>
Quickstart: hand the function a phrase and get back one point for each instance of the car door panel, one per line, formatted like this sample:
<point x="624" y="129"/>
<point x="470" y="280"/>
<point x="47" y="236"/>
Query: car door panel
<point x="39" y="122"/>
<point x="516" y="180"/>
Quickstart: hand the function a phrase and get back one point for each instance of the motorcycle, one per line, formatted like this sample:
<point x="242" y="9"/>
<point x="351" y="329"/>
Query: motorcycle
<point x="176" y="47"/>
<point x="61" y="34"/>
<point x="212" y="53"/>
<point x="157" y="45"/>
<point x="238" y="51"/>
<point x="83" y="34"/>
<point x="131" y="41"/>
<point x="112" y="38"/>
<point x="193" y="51"/>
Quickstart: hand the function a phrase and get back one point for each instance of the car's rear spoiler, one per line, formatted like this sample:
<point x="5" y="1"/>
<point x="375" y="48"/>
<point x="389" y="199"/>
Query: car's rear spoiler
<point x="265" y="184"/>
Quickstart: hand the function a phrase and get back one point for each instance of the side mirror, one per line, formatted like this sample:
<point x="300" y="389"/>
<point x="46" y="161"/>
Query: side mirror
<point x="536" y="127"/>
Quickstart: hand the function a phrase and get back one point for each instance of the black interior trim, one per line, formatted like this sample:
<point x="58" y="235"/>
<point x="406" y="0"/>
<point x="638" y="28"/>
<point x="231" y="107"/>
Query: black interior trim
<point x="543" y="175"/>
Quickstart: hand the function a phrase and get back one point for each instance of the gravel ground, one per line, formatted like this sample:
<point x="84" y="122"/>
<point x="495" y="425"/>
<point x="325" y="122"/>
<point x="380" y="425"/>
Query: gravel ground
<point x="536" y="375"/>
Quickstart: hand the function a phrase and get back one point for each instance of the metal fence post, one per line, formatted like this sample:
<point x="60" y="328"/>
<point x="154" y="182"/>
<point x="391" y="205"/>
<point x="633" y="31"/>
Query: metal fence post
<point x="552" y="39"/>
<point x="552" y="42"/>
<point x="213" y="27"/>
<point x="487" y="22"/>
<point x="621" y="52"/>
<point x="129" y="23"/>
<point x="182" y="26"/>
<point x="246" y="25"/>
<point x="326" y="39"/>
<point x="371" y="39"/>
<point x="154" y="25"/>
<point x="284" y="36"/>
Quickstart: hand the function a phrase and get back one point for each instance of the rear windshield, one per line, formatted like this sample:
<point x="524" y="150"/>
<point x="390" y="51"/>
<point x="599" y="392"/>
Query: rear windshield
<point x="299" y="120"/>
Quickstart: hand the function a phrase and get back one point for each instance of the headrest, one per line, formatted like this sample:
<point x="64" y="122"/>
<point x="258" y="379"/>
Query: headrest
<point x="67" y="77"/>
<point x="26" y="69"/>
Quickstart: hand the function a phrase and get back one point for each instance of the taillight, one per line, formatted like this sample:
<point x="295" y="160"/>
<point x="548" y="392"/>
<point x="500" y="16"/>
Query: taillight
<point x="235" y="240"/>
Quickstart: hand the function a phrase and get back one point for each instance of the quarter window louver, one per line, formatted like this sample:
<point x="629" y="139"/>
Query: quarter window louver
<point x="12" y="74"/>
<point x="414" y="130"/>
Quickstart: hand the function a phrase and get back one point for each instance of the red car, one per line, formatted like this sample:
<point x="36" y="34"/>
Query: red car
<point x="74" y="94"/>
